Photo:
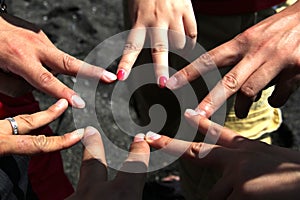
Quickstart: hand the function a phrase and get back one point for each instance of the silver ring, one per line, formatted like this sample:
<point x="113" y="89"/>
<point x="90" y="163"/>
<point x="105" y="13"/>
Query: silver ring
<point x="13" y="124"/>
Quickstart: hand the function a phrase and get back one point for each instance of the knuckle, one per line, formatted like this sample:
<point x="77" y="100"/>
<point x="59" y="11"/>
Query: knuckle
<point x="131" y="47"/>
<point x="68" y="62"/>
<point x="230" y="82"/>
<point x="28" y="120"/>
<point x="46" y="78"/>
<point x="193" y="34"/>
<point x="205" y="60"/>
<point x="41" y="143"/>
<point x="160" y="47"/>
<point x="194" y="149"/>
<point x="248" y="91"/>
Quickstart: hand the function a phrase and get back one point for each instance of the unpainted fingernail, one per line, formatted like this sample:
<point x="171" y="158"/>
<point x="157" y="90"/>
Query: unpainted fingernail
<point x="201" y="112"/>
<point x="121" y="74"/>
<point x="192" y="113"/>
<point x="79" y="133"/>
<point x="172" y="83"/>
<point x="61" y="103"/>
<point x="162" y="81"/>
<point x="89" y="131"/>
<point x="152" y="136"/>
<point x="110" y="76"/>
<point x="139" y="137"/>
<point x="77" y="101"/>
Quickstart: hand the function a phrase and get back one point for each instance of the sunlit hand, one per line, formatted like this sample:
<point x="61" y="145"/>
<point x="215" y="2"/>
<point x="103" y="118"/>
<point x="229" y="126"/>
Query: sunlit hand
<point x="34" y="144"/>
<point x="26" y="51"/>
<point x="263" y="55"/>
<point x="156" y="18"/>
<point x="250" y="169"/>
<point x="128" y="183"/>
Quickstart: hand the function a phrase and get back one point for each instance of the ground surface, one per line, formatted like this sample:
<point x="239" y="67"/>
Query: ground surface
<point x="77" y="27"/>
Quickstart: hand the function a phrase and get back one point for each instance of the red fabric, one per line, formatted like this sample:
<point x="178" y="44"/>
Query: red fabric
<point x="45" y="172"/>
<point x="227" y="7"/>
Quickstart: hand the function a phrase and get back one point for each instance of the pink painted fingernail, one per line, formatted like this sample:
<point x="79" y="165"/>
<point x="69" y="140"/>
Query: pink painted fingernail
<point x="139" y="137"/>
<point x="121" y="74"/>
<point x="152" y="136"/>
<point x="162" y="81"/>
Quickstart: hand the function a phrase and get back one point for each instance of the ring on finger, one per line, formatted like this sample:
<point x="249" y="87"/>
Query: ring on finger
<point x="13" y="124"/>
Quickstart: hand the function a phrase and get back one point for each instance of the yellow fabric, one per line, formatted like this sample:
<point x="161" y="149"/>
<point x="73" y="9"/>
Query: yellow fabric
<point x="262" y="118"/>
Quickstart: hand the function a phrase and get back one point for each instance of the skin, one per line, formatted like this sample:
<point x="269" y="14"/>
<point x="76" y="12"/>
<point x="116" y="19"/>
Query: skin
<point x="250" y="169"/>
<point x="34" y="57"/>
<point x="263" y="55"/>
<point x="93" y="182"/>
<point x="162" y="16"/>
<point x="34" y="144"/>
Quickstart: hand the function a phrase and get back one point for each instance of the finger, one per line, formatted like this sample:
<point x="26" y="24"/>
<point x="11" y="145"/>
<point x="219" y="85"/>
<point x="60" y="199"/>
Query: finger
<point x="43" y="80"/>
<point x="93" y="167"/>
<point x="160" y="48"/>
<point x="27" y="123"/>
<point x="63" y="63"/>
<point x="132" y="49"/>
<point x="242" y="105"/>
<point x="260" y="79"/>
<point x="224" y="136"/>
<point x="176" y="35"/>
<point x="229" y="85"/>
<point x="132" y="175"/>
<point x="190" y="26"/>
<point x="288" y="83"/>
<point x="30" y="145"/>
<point x="201" y="153"/>
<point x="225" y="55"/>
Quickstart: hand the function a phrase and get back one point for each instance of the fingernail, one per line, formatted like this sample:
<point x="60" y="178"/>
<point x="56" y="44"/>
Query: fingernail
<point x="78" y="101"/>
<point x="110" y="76"/>
<point x="193" y="113"/>
<point x="61" y="103"/>
<point x="172" y="83"/>
<point x="152" y="136"/>
<point x="162" y="81"/>
<point x="79" y="133"/>
<point x="121" y="74"/>
<point x="201" y="112"/>
<point x="139" y="137"/>
<point x="90" y="131"/>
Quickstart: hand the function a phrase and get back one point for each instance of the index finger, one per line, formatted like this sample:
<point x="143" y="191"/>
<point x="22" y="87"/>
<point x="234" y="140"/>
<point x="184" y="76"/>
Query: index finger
<point x="215" y="156"/>
<point x="224" y="136"/>
<point x="43" y="80"/>
<point x="222" y="56"/>
<point x="132" y="49"/>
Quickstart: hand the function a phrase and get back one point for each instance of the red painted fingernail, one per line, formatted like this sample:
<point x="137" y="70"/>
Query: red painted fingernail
<point x="121" y="75"/>
<point x="162" y="81"/>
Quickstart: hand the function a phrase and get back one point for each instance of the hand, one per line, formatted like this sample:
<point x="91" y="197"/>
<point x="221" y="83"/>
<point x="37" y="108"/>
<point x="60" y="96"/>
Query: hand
<point x="129" y="182"/>
<point x="157" y="17"/>
<point x="250" y="169"/>
<point x="263" y="55"/>
<point x="31" y="144"/>
<point x="26" y="51"/>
